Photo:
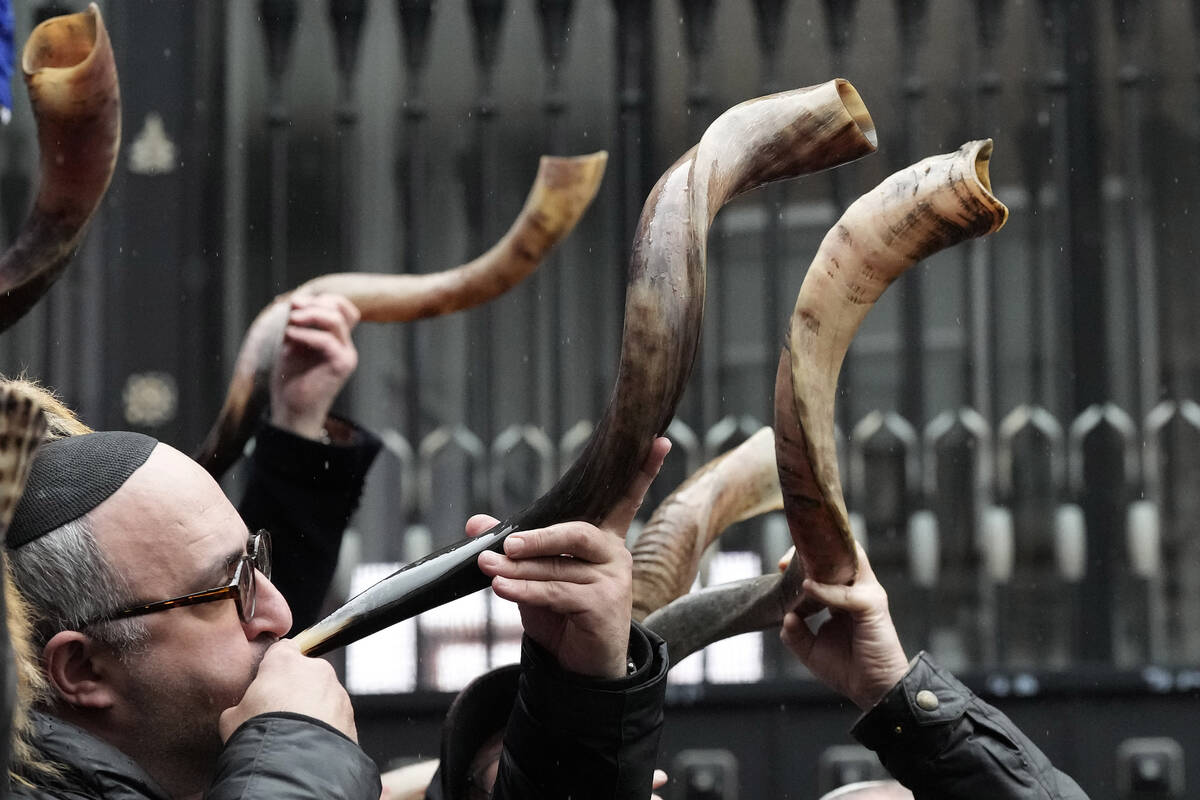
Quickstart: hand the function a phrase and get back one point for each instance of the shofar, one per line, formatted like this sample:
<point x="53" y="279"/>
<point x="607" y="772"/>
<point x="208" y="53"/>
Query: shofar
<point x="926" y="207"/>
<point x="72" y="81"/>
<point x="929" y="206"/>
<point x="767" y="139"/>
<point x="696" y="620"/>
<point x="562" y="190"/>
<point x="22" y="424"/>
<point x="734" y="486"/>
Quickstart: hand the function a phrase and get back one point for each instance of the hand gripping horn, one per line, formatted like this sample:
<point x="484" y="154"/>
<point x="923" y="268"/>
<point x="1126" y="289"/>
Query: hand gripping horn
<point x="562" y="190"/>
<point x="736" y="485"/>
<point x="763" y="140"/>
<point x="72" y="81"/>
<point x="919" y="210"/>
<point x="929" y="206"/>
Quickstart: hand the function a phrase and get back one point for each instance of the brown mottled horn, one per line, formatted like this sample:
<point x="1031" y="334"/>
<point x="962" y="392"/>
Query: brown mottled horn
<point x="22" y="424"/>
<point x="924" y="208"/>
<point x="695" y="620"/>
<point x="916" y="212"/>
<point x="562" y="190"/>
<point x="734" y="486"/>
<point x="759" y="141"/>
<point x="72" y="81"/>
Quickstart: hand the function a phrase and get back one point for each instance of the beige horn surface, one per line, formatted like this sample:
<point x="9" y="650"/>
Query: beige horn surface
<point x="734" y="486"/>
<point x="924" y="208"/>
<point x="767" y="139"/>
<point x="562" y="191"/>
<point x="72" y="81"/>
<point x="693" y="621"/>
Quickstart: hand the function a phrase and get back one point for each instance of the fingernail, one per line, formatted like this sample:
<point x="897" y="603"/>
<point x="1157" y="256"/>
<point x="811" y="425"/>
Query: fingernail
<point x="488" y="558"/>
<point x="513" y="545"/>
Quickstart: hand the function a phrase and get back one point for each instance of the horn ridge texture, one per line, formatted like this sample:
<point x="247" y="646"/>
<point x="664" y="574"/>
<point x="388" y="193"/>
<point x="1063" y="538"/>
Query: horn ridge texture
<point x="926" y="207"/>
<point x="71" y="77"/>
<point x="736" y="485"/>
<point x="562" y="190"/>
<point x="769" y="138"/>
<point x="695" y="620"/>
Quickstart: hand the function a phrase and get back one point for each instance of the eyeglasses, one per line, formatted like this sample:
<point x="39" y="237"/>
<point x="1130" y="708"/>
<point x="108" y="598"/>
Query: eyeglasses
<point x="241" y="588"/>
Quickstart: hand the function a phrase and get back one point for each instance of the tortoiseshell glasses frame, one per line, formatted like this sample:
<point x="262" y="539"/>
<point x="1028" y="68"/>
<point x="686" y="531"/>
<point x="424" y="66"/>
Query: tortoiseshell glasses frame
<point x="241" y="587"/>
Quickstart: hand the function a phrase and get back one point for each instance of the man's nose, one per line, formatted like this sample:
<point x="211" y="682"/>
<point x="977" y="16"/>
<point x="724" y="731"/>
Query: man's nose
<point x="271" y="612"/>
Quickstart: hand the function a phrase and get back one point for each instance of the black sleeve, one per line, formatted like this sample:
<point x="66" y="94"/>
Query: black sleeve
<point x="569" y="736"/>
<point x="290" y="755"/>
<point x="941" y="741"/>
<point x="304" y="492"/>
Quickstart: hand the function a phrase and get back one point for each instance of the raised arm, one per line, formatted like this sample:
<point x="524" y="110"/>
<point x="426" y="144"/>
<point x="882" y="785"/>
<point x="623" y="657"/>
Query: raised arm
<point x="930" y="731"/>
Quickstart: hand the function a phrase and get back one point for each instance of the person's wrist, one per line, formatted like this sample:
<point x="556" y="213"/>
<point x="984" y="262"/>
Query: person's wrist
<point x="881" y="683"/>
<point x="618" y="668"/>
<point x="612" y="668"/>
<point x="309" y="425"/>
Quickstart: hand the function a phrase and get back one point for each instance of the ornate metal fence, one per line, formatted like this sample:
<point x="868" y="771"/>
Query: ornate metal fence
<point x="1019" y="416"/>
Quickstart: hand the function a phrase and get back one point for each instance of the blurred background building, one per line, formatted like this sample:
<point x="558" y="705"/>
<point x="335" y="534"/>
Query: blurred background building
<point x="1019" y="416"/>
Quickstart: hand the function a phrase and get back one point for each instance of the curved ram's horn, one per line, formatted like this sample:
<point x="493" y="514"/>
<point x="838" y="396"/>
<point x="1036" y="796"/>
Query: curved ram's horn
<point x="695" y="620"/>
<point x="562" y="191"/>
<point x="734" y="486"/>
<point x="916" y="212"/>
<point x="762" y="140"/>
<point x="72" y="80"/>
<point x="22" y="424"/>
<point x="926" y="207"/>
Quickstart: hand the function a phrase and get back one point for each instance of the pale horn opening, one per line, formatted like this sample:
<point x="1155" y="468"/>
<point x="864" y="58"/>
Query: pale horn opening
<point x="771" y="138"/>
<point x="983" y="160"/>
<point x="64" y="43"/>
<point x="71" y="77"/>
<point x="858" y="110"/>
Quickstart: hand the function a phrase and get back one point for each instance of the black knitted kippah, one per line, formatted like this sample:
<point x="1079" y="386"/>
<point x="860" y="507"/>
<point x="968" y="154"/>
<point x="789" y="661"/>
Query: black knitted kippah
<point x="71" y="476"/>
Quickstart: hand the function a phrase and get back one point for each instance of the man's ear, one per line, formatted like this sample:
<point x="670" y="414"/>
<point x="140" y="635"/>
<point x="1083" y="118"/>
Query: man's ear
<point x="79" y="670"/>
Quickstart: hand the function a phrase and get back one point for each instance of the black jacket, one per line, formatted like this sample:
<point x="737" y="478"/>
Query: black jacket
<point x="579" y="738"/>
<point x="270" y="756"/>
<point x="304" y="492"/>
<point x="941" y="741"/>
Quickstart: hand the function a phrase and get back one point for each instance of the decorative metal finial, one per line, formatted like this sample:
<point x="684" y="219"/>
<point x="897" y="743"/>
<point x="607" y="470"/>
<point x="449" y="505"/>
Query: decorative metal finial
<point x="279" y="18"/>
<point x="1127" y="17"/>
<point x="487" y="16"/>
<point x="347" y="18"/>
<point x="989" y="15"/>
<point x="912" y="15"/>
<point x="769" y="14"/>
<point x="555" y="17"/>
<point x="697" y="26"/>
<point x="415" y="17"/>
<point x="839" y="17"/>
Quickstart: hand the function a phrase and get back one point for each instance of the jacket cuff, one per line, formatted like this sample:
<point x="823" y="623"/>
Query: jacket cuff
<point x="283" y="754"/>
<point x="336" y="466"/>
<point x="258" y="719"/>
<point x="917" y="714"/>
<point x="591" y="707"/>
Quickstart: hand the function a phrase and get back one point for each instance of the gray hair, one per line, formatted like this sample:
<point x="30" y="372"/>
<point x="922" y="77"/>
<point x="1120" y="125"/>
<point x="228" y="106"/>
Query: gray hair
<point x="67" y="581"/>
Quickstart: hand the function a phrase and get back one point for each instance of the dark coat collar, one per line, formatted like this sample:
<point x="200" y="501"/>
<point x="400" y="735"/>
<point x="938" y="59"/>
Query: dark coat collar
<point x="91" y="767"/>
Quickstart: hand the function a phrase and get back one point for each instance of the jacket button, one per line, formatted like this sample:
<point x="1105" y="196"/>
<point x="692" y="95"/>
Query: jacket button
<point x="927" y="700"/>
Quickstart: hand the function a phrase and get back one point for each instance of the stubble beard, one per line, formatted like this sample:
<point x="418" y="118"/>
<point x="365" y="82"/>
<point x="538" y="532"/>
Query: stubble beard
<point x="180" y="721"/>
